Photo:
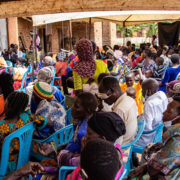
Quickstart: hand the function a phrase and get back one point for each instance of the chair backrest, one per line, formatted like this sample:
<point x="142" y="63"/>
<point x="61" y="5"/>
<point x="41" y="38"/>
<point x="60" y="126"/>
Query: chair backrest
<point x="123" y="174"/>
<point x="24" y="135"/>
<point x="60" y="137"/>
<point x="157" y="133"/>
<point x="141" y="125"/>
<point x="9" y="63"/>
<point x="52" y="83"/>
<point x="68" y="117"/>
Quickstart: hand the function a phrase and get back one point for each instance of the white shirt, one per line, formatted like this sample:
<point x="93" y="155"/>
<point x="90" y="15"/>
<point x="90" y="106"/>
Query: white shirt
<point x="154" y="107"/>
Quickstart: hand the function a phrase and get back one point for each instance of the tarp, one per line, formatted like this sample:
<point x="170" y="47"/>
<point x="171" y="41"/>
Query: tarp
<point x="168" y="33"/>
<point x="19" y="8"/>
<point x="124" y="18"/>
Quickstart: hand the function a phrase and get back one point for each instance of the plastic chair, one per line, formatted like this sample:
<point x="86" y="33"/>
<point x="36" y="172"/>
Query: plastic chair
<point x="141" y="125"/>
<point x="9" y="63"/>
<point x="60" y="137"/>
<point x="68" y="117"/>
<point x="24" y="135"/>
<point x="55" y="78"/>
<point x="63" y="171"/>
<point x="123" y="174"/>
<point x="157" y="137"/>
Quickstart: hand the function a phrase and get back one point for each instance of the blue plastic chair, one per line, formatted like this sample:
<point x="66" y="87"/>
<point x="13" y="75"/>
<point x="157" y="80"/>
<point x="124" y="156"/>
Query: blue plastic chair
<point x="55" y="78"/>
<point x="64" y="170"/>
<point x="60" y="137"/>
<point x="157" y="137"/>
<point x="68" y="117"/>
<point x="24" y="135"/>
<point x="141" y="125"/>
<point x="123" y="174"/>
<point x="9" y="63"/>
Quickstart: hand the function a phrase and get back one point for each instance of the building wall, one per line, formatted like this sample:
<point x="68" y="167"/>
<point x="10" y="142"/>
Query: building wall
<point x="101" y="32"/>
<point x="109" y="33"/>
<point x="12" y="30"/>
<point x="3" y="35"/>
<point x="24" y="28"/>
<point x="98" y="33"/>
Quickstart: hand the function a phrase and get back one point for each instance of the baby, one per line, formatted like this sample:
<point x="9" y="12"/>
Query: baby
<point x="131" y="92"/>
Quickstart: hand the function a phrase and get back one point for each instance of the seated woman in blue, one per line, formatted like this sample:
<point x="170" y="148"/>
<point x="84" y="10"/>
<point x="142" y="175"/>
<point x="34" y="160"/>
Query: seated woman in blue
<point x="171" y="73"/>
<point x="15" y="118"/>
<point x="84" y="107"/>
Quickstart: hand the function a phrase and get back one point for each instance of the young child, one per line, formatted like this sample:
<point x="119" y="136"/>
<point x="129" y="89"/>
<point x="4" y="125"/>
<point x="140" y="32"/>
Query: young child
<point x="148" y="74"/>
<point x="159" y="69"/>
<point x="130" y="82"/>
<point x="131" y="92"/>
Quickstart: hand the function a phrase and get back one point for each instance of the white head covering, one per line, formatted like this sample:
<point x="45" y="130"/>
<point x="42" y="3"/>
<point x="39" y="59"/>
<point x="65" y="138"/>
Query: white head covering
<point x="45" y="74"/>
<point x="48" y="60"/>
<point x="118" y="54"/>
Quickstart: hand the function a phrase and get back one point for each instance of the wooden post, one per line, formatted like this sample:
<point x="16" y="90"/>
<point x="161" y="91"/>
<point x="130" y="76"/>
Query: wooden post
<point x="86" y="30"/>
<point x="34" y="51"/>
<point x="89" y="28"/>
<point x="70" y="34"/>
<point x="63" y="34"/>
<point x="124" y="33"/>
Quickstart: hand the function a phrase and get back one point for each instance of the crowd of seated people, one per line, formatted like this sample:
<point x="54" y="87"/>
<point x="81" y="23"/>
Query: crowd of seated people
<point x="112" y="90"/>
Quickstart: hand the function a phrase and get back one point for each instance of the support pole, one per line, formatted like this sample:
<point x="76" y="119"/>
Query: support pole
<point x="63" y="34"/>
<point x="34" y="51"/>
<point x="89" y="28"/>
<point x="124" y="33"/>
<point x="86" y="30"/>
<point x="70" y="34"/>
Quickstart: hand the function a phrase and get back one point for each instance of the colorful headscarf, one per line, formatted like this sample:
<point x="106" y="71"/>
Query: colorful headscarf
<point x="61" y="56"/>
<point x="86" y="66"/>
<point x="43" y="90"/>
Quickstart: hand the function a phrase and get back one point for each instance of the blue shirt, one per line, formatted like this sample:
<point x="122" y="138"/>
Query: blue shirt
<point x="75" y="146"/>
<point x="170" y="75"/>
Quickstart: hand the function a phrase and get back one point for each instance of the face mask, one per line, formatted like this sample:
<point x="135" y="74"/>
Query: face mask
<point x="103" y="96"/>
<point x="168" y="124"/>
<point x="146" y="96"/>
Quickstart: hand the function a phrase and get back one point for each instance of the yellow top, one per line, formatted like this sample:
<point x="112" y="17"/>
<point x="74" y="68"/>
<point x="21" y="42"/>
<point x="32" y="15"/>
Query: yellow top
<point x="138" y="99"/>
<point x="101" y="67"/>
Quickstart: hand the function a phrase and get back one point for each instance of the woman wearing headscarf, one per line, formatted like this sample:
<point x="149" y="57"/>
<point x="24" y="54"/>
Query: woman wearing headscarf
<point x="61" y="65"/>
<point x="107" y="126"/>
<point x="46" y="74"/>
<point x="87" y="68"/>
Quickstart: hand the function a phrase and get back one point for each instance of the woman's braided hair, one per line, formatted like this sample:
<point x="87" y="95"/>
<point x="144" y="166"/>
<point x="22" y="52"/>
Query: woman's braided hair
<point x="16" y="104"/>
<point x="6" y="84"/>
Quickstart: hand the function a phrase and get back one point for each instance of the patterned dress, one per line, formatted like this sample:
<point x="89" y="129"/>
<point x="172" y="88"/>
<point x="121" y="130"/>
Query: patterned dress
<point x="8" y="128"/>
